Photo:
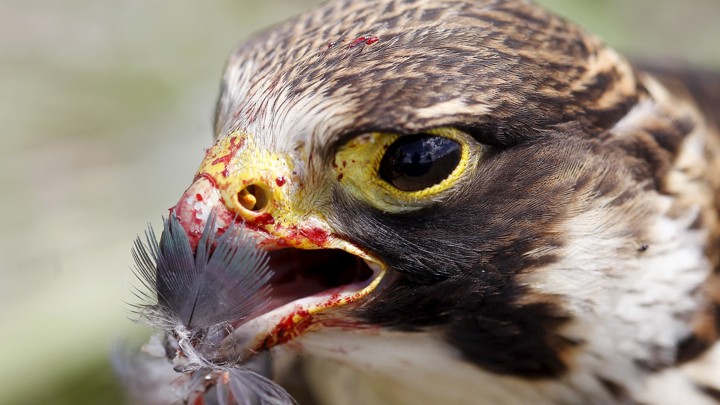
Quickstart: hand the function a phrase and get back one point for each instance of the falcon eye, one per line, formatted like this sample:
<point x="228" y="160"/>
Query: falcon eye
<point x="416" y="162"/>
<point x="399" y="173"/>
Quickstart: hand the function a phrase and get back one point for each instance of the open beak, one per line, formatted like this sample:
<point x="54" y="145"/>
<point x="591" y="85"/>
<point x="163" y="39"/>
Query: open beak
<point x="315" y="270"/>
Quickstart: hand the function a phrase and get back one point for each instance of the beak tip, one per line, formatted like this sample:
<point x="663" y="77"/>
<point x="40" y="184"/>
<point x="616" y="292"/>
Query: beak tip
<point x="195" y="206"/>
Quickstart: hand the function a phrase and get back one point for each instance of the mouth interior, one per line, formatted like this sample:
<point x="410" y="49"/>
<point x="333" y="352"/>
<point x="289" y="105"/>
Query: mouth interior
<point x="303" y="273"/>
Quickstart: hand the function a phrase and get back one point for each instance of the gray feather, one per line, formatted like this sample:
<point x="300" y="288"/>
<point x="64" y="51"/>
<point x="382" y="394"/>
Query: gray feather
<point x="223" y="282"/>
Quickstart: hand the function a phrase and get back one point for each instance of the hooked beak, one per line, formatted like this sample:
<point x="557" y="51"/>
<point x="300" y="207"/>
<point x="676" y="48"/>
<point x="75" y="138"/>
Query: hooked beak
<point x="316" y="271"/>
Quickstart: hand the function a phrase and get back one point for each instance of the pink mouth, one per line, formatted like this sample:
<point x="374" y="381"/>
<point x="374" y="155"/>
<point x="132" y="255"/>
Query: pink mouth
<point x="303" y="273"/>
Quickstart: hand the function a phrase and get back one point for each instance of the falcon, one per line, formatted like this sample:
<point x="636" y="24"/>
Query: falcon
<point x="469" y="202"/>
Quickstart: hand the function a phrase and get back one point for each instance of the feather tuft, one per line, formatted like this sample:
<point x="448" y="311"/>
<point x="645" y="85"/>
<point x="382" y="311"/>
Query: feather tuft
<point x="196" y="298"/>
<point x="222" y="283"/>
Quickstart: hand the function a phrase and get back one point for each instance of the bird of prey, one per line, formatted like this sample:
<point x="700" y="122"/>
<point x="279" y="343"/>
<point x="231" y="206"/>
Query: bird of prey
<point x="469" y="202"/>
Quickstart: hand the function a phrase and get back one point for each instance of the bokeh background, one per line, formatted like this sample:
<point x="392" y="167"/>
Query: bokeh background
<point x="105" y="108"/>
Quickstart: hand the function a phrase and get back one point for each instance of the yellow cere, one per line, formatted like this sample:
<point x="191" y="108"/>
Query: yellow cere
<point x="234" y="164"/>
<point x="357" y="165"/>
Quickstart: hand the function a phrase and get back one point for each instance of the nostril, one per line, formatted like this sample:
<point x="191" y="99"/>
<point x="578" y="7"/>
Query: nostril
<point x="253" y="198"/>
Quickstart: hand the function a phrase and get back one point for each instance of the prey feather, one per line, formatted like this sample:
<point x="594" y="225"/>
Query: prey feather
<point x="197" y="299"/>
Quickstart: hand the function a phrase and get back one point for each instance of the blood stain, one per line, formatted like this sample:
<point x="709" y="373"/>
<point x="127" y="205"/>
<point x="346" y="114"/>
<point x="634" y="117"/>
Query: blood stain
<point x="235" y="144"/>
<point x="288" y="329"/>
<point x="334" y="300"/>
<point x="315" y="235"/>
<point x="206" y="177"/>
<point x="369" y="40"/>
<point x="280" y="181"/>
<point x="264" y="219"/>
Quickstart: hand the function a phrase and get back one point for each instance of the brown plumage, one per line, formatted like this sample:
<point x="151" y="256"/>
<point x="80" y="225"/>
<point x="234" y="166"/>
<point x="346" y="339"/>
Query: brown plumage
<point x="574" y="256"/>
<point x="548" y="67"/>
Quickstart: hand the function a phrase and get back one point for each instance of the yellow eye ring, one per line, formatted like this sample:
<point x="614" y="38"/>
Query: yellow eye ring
<point x="357" y="167"/>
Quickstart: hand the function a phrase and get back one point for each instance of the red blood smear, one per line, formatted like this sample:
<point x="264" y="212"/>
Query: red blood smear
<point x="235" y="144"/>
<point x="264" y="219"/>
<point x="356" y="42"/>
<point x="280" y="181"/>
<point x="340" y="176"/>
<point x="315" y="235"/>
<point x="198" y="197"/>
<point x="363" y="40"/>
<point x="206" y="177"/>
<point x="333" y="301"/>
<point x="287" y="329"/>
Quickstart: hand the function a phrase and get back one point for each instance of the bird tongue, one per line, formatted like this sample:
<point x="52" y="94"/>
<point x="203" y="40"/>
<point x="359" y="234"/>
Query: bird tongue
<point x="195" y="206"/>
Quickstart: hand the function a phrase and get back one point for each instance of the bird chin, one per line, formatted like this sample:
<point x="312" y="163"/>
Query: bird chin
<point x="308" y="288"/>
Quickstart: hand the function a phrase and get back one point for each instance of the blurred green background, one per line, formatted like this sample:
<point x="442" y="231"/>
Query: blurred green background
<point x="105" y="107"/>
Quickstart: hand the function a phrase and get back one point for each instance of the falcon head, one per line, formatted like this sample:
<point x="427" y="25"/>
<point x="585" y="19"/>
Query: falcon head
<point x="465" y="199"/>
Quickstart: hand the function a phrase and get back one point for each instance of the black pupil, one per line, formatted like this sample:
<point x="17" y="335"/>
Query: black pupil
<point x="416" y="162"/>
